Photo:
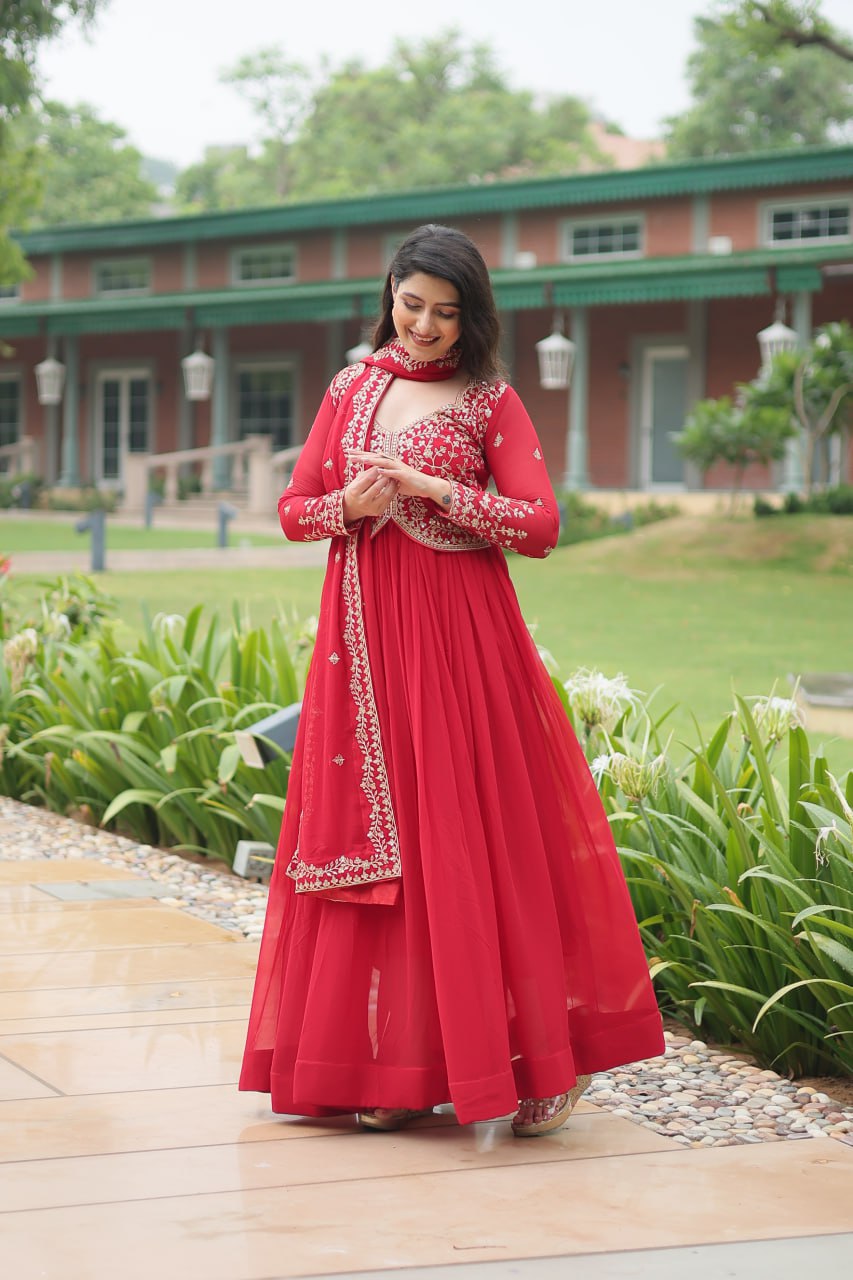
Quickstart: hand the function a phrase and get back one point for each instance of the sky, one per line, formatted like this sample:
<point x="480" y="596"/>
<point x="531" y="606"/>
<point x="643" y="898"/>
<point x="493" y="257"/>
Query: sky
<point x="152" y="66"/>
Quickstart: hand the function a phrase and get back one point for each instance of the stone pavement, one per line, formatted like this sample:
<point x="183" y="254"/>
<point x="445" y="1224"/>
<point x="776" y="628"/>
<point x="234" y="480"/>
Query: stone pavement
<point x="126" y="1149"/>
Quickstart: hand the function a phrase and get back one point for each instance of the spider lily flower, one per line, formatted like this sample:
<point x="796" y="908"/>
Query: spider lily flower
<point x="775" y="716"/>
<point x="598" y="700"/>
<point x="636" y="779"/>
<point x="18" y="651"/>
<point x="169" y="625"/>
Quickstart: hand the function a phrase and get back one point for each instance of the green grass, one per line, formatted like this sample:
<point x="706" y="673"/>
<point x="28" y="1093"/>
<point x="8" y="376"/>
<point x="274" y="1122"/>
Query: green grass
<point x="60" y="535"/>
<point x="697" y="606"/>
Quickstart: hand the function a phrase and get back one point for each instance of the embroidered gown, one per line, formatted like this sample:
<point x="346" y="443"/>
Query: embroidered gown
<point x="447" y="919"/>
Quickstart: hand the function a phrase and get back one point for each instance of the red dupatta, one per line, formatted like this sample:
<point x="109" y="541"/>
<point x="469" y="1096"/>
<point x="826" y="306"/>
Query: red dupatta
<point x="339" y="834"/>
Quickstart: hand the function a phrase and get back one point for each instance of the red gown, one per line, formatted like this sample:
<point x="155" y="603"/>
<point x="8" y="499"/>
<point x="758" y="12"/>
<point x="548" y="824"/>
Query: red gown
<point x="447" y="920"/>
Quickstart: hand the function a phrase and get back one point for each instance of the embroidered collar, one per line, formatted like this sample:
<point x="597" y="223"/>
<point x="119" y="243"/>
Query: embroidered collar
<point x="395" y="359"/>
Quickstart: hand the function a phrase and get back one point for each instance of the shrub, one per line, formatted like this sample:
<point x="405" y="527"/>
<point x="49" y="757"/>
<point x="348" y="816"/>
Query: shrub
<point x="87" y="498"/>
<point x="145" y="741"/>
<point x="742" y="883"/>
<point x="19" y="490"/>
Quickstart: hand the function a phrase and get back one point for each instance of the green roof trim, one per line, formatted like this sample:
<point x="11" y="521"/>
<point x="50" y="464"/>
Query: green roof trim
<point x="602" y="283"/>
<point x="794" y="278"/>
<point x="656" y="181"/>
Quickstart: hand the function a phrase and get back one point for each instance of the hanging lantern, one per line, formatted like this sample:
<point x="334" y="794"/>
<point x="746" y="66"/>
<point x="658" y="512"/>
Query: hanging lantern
<point x="773" y="340"/>
<point x="556" y="355"/>
<point x="198" y="375"/>
<point x="50" y="380"/>
<point x="359" y="351"/>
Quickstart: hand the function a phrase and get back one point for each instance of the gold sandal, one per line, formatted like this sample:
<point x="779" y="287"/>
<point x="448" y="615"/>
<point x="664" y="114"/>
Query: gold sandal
<point x="390" y="1120"/>
<point x="562" y="1110"/>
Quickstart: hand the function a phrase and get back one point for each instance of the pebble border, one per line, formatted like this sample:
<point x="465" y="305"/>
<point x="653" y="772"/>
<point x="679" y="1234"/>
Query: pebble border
<point x="695" y="1095"/>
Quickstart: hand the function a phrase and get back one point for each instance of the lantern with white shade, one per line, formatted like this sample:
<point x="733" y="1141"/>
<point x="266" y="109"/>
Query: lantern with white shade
<point x="556" y="355"/>
<point x="198" y="375"/>
<point x="50" y="380"/>
<point x="358" y="352"/>
<point x="773" y="340"/>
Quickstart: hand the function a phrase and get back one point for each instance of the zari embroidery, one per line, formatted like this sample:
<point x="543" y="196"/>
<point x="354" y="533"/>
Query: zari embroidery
<point x="323" y="517"/>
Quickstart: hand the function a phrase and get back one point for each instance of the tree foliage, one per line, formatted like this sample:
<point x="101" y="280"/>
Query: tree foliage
<point x="440" y="111"/>
<point x="800" y="24"/>
<point x="738" y="433"/>
<point x="88" y="171"/>
<point x="755" y="91"/>
<point x="24" y="24"/>
<point x="814" y="388"/>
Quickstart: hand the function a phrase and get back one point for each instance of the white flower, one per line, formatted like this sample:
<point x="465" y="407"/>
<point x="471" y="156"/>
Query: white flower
<point x="17" y="652"/>
<point x="600" y="768"/>
<point x="776" y="716"/>
<point x="824" y="835"/>
<point x="636" y="779"/>
<point x="170" y="625"/>
<point x="597" y="699"/>
<point x="56" y="625"/>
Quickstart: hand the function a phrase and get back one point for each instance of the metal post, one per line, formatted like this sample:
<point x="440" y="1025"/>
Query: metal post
<point x="96" y="524"/>
<point x="152" y="500"/>
<point x="225" y="513"/>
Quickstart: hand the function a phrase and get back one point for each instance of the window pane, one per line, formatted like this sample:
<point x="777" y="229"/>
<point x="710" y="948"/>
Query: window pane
<point x="272" y="262"/>
<point x="605" y="238"/>
<point x="265" y="404"/>
<point x="138" y="433"/>
<point x="122" y="277"/>
<point x="817" y="222"/>
<point x="10" y="410"/>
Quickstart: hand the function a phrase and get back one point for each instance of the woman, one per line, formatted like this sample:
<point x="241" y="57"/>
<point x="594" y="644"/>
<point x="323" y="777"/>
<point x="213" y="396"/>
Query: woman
<point x="447" y="915"/>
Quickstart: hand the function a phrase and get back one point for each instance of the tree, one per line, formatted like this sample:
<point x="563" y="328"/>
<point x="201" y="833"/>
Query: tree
<point x="738" y="433"/>
<point x="814" y="388"/>
<point x="87" y="169"/>
<point x="757" y="94"/>
<point x="766" y="26"/>
<point x="438" y="112"/>
<point x="24" y="24"/>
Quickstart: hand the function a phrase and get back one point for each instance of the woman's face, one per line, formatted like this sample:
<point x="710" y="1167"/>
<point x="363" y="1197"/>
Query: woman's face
<point x="426" y="315"/>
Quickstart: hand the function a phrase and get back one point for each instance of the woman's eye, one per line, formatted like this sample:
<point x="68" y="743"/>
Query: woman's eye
<point x="443" y="315"/>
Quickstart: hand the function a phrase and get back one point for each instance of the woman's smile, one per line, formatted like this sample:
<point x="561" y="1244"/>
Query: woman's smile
<point x="426" y="315"/>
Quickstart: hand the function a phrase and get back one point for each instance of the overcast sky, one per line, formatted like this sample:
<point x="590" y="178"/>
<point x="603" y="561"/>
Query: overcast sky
<point x="152" y="65"/>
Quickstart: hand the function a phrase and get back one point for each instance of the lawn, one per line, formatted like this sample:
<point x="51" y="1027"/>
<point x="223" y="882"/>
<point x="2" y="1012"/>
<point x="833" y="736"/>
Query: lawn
<point x="61" y="535"/>
<point x="697" y="606"/>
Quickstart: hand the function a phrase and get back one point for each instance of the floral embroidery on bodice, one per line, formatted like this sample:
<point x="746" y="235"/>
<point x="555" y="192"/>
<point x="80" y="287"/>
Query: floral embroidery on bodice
<point x="446" y="442"/>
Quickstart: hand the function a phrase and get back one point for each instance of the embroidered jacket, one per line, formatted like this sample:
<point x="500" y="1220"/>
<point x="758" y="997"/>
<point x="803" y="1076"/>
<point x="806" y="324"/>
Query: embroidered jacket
<point x="339" y="834"/>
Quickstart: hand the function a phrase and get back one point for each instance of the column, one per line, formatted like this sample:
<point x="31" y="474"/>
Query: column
<point x="697" y="347"/>
<point x="70" y="474"/>
<point x="219" y="408"/>
<point x="577" y="472"/>
<point x="792" y="467"/>
<point x="184" y="436"/>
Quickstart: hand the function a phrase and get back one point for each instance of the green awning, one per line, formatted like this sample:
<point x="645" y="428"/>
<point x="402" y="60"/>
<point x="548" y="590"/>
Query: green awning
<point x="792" y="279"/>
<point x="663" y="287"/>
<point x="125" y="320"/>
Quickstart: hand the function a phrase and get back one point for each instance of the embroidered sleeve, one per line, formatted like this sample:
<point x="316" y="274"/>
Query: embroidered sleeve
<point x="306" y="511"/>
<point x="523" y="515"/>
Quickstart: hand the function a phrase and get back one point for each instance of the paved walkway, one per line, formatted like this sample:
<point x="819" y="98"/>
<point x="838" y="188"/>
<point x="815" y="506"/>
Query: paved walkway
<point x="126" y="1149"/>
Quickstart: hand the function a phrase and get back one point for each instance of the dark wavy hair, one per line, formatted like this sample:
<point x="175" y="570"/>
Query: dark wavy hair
<point x="449" y="254"/>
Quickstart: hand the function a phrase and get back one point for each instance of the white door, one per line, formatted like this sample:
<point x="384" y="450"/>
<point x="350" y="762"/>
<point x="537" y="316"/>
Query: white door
<point x="122" y="421"/>
<point x="663" y="410"/>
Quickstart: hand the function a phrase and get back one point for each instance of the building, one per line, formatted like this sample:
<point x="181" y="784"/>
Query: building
<point x="662" y="277"/>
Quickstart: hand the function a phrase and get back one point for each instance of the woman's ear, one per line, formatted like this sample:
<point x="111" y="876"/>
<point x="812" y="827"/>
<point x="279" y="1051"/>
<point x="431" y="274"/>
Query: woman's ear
<point x="393" y="287"/>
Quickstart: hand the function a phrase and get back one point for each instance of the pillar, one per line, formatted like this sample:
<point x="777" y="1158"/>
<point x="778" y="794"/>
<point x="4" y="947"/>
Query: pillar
<point x="577" y="450"/>
<point x="69" y="477"/>
<point x="792" y="467"/>
<point x="219" y="408"/>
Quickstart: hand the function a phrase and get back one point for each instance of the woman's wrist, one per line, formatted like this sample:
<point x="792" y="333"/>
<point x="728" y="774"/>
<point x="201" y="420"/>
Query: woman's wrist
<point x="441" y="493"/>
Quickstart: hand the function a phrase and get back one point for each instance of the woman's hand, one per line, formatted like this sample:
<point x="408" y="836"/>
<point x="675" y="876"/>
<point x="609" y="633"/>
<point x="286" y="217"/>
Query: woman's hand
<point x="368" y="494"/>
<point x="406" y="479"/>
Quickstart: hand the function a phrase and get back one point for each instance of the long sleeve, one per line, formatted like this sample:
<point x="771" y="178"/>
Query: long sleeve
<point x="523" y="515"/>
<point x="306" y="511"/>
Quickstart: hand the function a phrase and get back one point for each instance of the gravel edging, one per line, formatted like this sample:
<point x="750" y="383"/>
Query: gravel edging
<point x="698" y="1096"/>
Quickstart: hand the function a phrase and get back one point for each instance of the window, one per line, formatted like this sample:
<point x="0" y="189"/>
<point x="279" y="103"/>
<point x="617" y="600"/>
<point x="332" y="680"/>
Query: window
<point x="10" y="411"/>
<point x="622" y="238"/>
<point x="807" y="222"/>
<point x="265" y="402"/>
<point x="267" y="264"/>
<point x="9" y="292"/>
<point x="129" y="275"/>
